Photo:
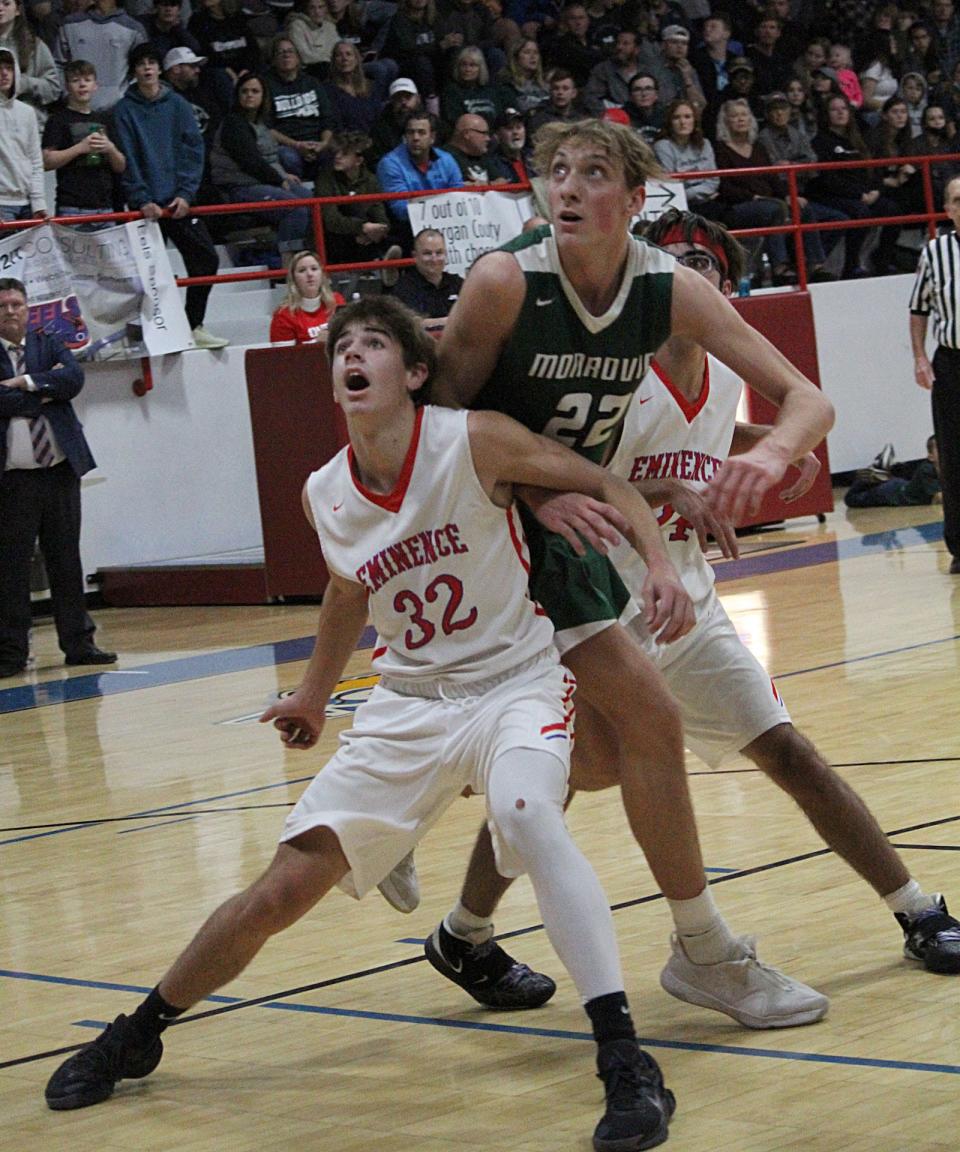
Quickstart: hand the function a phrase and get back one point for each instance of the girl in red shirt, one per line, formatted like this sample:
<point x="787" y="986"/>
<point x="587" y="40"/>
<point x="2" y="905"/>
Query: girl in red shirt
<point x="309" y="303"/>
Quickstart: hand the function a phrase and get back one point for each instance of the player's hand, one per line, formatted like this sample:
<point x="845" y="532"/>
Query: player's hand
<point x="667" y="609"/>
<point x="742" y="482"/>
<point x="706" y="521"/>
<point x="809" y="468"/>
<point x="576" y="518"/>
<point x="298" y="719"/>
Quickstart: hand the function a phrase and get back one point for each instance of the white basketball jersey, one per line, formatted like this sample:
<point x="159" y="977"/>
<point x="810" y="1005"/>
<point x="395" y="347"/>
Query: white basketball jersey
<point x="445" y="569"/>
<point x="666" y="435"/>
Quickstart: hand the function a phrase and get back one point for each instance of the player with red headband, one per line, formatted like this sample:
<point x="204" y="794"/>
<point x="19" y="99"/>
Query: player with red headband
<point x="675" y="437"/>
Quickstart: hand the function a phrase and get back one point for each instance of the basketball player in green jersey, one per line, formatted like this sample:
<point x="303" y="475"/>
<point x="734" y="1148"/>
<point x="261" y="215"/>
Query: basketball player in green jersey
<point x="557" y="329"/>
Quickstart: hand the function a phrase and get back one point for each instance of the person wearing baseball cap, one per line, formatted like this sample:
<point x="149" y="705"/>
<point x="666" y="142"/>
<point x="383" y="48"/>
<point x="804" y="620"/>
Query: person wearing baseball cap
<point x="165" y="30"/>
<point x="511" y="146"/>
<point x="676" y="76"/>
<point x="181" y="70"/>
<point x="387" y="133"/>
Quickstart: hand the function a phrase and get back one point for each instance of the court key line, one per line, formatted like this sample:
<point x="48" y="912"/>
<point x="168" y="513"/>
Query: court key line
<point x="468" y="1025"/>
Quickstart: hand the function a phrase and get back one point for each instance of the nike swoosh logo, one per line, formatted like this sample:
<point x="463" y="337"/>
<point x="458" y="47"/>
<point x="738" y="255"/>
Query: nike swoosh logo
<point x="337" y="507"/>
<point x="458" y="967"/>
<point x="544" y="303"/>
<point x="644" y="400"/>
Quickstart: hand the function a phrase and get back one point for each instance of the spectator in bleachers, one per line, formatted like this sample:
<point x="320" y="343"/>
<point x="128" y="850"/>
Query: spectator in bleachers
<point x="712" y="60"/>
<point x="938" y="137"/>
<point x="387" y="133"/>
<point x="742" y="86"/>
<point x="523" y="84"/>
<point x="816" y="54"/>
<point x="302" y="117"/>
<point x="682" y="147"/>
<point x="609" y="83"/>
<point x="853" y="191"/>
<point x="415" y="165"/>
<point x="752" y="200"/>
<point x="470" y="147"/>
<point x="511" y="146"/>
<point x="39" y="81"/>
<point x="772" y="66"/>
<point x="355" y="100"/>
<point x="223" y="36"/>
<point x="944" y="24"/>
<point x="355" y="231"/>
<point x="564" y="102"/>
<point x="78" y="145"/>
<point x="803" y="113"/>
<point x="792" y="35"/>
<point x="413" y="42"/>
<point x="572" y="48"/>
<point x="469" y="89"/>
<point x="841" y="61"/>
<point x="468" y="23"/>
<point x="535" y="18"/>
<point x="182" y="71"/>
<point x="314" y="35"/>
<point x="644" y="110"/>
<point x="22" y="195"/>
<point x="365" y="23"/>
<point x="901" y="183"/>
<point x="676" y="76"/>
<point x="785" y="144"/>
<point x="245" y="165"/>
<point x="922" y="55"/>
<point x="158" y="134"/>
<point x="427" y="288"/>
<point x="104" y="35"/>
<point x="309" y="303"/>
<point x="914" y="91"/>
<point x="878" y="79"/>
<point x="165" y="28"/>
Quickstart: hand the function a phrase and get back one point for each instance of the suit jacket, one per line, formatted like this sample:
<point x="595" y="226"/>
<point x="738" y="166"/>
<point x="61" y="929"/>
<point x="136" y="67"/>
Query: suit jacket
<point x="58" y="378"/>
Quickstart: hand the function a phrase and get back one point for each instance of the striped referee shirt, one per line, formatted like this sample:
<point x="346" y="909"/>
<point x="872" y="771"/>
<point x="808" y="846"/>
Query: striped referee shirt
<point x="936" y="289"/>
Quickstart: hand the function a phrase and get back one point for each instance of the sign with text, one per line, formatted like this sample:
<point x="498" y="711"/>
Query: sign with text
<point x="108" y="294"/>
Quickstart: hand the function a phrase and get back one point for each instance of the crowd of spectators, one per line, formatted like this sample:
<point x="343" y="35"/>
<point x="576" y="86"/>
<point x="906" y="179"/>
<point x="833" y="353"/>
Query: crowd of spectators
<point x="348" y="96"/>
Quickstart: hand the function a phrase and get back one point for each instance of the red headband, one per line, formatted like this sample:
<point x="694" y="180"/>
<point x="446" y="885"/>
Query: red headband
<point x="678" y="235"/>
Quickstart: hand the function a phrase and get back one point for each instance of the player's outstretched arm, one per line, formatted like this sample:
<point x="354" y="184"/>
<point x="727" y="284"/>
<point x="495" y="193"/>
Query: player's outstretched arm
<point x="477" y="329"/>
<point x="747" y="436"/>
<point x="505" y="453"/>
<point x="805" y="415"/>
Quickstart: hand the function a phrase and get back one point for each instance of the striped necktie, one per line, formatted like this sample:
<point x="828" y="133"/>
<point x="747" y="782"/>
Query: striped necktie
<point x="39" y="428"/>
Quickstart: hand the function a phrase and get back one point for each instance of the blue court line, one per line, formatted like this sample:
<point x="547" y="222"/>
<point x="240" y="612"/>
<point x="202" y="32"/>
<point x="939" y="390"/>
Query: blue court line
<point x="202" y="667"/>
<point x="161" y="824"/>
<point x="287" y="651"/>
<point x="721" y="869"/>
<point x="158" y="811"/>
<point x="809" y="555"/>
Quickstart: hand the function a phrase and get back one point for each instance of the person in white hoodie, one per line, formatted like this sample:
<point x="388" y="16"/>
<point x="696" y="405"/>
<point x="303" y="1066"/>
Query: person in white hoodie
<point x="22" y="195"/>
<point x="39" y="80"/>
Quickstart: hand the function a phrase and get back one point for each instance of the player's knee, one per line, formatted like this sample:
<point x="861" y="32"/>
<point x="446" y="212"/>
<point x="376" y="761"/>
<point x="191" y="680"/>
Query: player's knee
<point x="788" y="758"/>
<point x="526" y="820"/>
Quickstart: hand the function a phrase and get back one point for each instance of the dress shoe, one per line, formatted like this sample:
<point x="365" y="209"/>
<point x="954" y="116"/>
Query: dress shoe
<point x="10" y="668"/>
<point x="91" y="655"/>
<point x="955" y="566"/>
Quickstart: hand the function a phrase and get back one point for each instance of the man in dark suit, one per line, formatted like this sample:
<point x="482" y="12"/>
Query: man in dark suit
<point x="43" y="454"/>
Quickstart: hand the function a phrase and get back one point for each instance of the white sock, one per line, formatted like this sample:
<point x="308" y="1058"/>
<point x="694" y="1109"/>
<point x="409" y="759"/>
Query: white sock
<point x="703" y="932"/>
<point x="462" y="923"/>
<point x="910" y="899"/>
<point x="526" y="789"/>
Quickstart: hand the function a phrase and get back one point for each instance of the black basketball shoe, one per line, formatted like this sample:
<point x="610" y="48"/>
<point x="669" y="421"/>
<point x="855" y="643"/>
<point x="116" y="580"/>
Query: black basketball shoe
<point x="490" y="975"/>
<point x="932" y="936"/>
<point x="89" y="1076"/>
<point x="639" y="1107"/>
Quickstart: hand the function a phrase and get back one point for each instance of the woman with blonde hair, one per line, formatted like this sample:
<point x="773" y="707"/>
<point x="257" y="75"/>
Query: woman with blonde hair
<point x="309" y="303"/>
<point x="522" y="83"/>
<point x="470" y="90"/>
<point x="356" y="102"/>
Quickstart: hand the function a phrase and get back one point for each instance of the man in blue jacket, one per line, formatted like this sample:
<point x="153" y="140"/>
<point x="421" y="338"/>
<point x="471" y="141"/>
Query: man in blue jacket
<point x="43" y="454"/>
<point x="414" y="166"/>
<point x="157" y="132"/>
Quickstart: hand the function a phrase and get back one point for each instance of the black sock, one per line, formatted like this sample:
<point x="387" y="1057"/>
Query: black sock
<point x="610" y="1017"/>
<point x="154" y="1014"/>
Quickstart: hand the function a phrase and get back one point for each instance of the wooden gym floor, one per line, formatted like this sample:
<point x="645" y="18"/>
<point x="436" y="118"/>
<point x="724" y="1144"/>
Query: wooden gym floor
<point x="132" y="801"/>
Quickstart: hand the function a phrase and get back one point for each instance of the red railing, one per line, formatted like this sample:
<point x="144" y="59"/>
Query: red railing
<point x="931" y="214"/>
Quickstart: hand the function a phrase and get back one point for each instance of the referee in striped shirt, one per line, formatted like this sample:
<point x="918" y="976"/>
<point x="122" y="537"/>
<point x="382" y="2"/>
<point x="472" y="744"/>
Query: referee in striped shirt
<point x="937" y="292"/>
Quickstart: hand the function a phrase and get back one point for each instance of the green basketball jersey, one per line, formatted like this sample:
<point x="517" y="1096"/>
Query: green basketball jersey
<point x="565" y="373"/>
<point x="570" y="376"/>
